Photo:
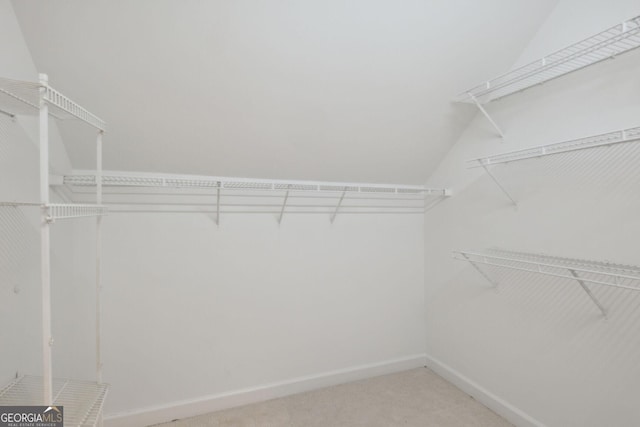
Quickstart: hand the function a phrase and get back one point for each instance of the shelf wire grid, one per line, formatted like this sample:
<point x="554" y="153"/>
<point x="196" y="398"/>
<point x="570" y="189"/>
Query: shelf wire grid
<point x="243" y="184"/>
<point x="166" y="193"/>
<point x="22" y="97"/>
<point x="593" y="272"/>
<point x="605" y="139"/>
<point x="82" y="400"/>
<point x="57" y="211"/>
<point x="607" y="44"/>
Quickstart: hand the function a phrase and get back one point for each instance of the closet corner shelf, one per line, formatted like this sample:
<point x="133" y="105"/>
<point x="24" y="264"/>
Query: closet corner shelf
<point x="577" y="270"/>
<point x="82" y="400"/>
<point x="607" y="44"/>
<point x="22" y="97"/>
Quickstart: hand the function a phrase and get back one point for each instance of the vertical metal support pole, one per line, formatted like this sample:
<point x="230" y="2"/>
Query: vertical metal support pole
<point x="498" y="183"/>
<point x="45" y="243"/>
<point x="588" y="291"/>
<point x="479" y="270"/>
<point x="99" y="266"/>
<point x="284" y="204"/>
<point x="218" y="205"/>
<point x="481" y="108"/>
<point x="333" y="217"/>
<point x="99" y="259"/>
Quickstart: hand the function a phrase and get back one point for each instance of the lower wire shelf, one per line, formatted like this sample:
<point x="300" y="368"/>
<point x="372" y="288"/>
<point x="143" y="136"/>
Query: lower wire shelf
<point x="82" y="400"/>
<point x="582" y="272"/>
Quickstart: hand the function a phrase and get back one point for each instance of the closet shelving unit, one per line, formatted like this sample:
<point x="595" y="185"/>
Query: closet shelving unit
<point x="582" y="272"/>
<point x="126" y="192"/>
<point x="82" y="400"/>
<point x="602" y="140"/>
<point x="607" y="44"/>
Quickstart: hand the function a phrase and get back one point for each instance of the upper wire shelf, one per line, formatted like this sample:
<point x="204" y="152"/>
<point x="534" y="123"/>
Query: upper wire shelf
<point x="605" y="139"/>
<point x="185" y="181"/>
<point x="22" y="97"/>
<point x="607" y="44"/>
<point x="82" y="400"/>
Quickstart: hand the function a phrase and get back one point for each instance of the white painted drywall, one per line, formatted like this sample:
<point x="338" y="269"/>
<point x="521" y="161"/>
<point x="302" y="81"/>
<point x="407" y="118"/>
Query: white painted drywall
<point x="194" y="310"/>
<point x="541" y="345"/>
<point x="319" y="90"/>
<point x="20" y="292"/>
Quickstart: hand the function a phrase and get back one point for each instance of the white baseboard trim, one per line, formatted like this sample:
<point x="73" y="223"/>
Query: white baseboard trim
<point x="189" y="408"/>
<point x="482" y="395"/>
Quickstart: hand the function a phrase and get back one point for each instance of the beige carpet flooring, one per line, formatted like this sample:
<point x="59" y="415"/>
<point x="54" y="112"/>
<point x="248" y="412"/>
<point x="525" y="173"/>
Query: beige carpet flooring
<point x="417" y="397"/>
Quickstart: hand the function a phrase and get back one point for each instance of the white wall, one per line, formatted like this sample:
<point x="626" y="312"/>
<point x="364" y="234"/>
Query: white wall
<point x="193" y="310"/>
<point x="20" y="292"/>
<point x="541" y="346"/>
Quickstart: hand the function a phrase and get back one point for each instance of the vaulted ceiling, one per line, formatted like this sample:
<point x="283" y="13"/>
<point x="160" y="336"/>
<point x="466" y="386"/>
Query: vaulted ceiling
<point x="325" y="90"/>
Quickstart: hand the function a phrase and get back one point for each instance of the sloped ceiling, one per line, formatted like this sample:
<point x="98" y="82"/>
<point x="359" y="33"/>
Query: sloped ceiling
<point x="323" y="90"/>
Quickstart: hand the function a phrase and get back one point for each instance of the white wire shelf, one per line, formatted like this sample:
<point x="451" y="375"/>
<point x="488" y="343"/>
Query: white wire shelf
<point x="579" y="271"/>
<point x="604" y="45"/>
<point x="127" y="192"/>
<point x="22" y="97"/>
<point x="605" y="139"/>
<point x="82" y="400"/>
<point x="186" y="181"/>
<point x="599" y="273"/>
<point x="56" y="211"/>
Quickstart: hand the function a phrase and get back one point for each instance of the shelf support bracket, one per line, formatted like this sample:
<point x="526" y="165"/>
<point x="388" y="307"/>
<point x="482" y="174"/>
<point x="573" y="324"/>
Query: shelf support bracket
<point x="588" y="291"/>
<point x="479" y="270"/>
<point x="284" y="204"/>
<point x="486" y="114"/>
<point x="333" y="217"/>
<point x="486" y="169"/>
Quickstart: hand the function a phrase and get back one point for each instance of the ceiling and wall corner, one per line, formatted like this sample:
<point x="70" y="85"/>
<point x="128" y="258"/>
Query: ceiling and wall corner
<point x="357" y="91"/>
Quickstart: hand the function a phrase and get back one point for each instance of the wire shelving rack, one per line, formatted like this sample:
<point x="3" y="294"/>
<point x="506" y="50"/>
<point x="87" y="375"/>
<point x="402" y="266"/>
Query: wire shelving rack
<point x="607" y="44"/>
<point x="622" y="136"/>
<point x="582" y="272"/>
<point x="127" y="192"/>
<point x="83" y="400"/>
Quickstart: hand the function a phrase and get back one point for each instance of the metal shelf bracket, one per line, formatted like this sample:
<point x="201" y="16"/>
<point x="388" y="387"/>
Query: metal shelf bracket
<point x="486" y="114"/>
<point x="284" y="204"/>
<point x="486" y="169"/>
<point x="479" y="270"/>
<point x="333" y="216"/>
<point x="589" y="293"/>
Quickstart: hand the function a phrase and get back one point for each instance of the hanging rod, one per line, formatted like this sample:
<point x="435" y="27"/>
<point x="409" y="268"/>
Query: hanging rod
<point x="601" y="140"/>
